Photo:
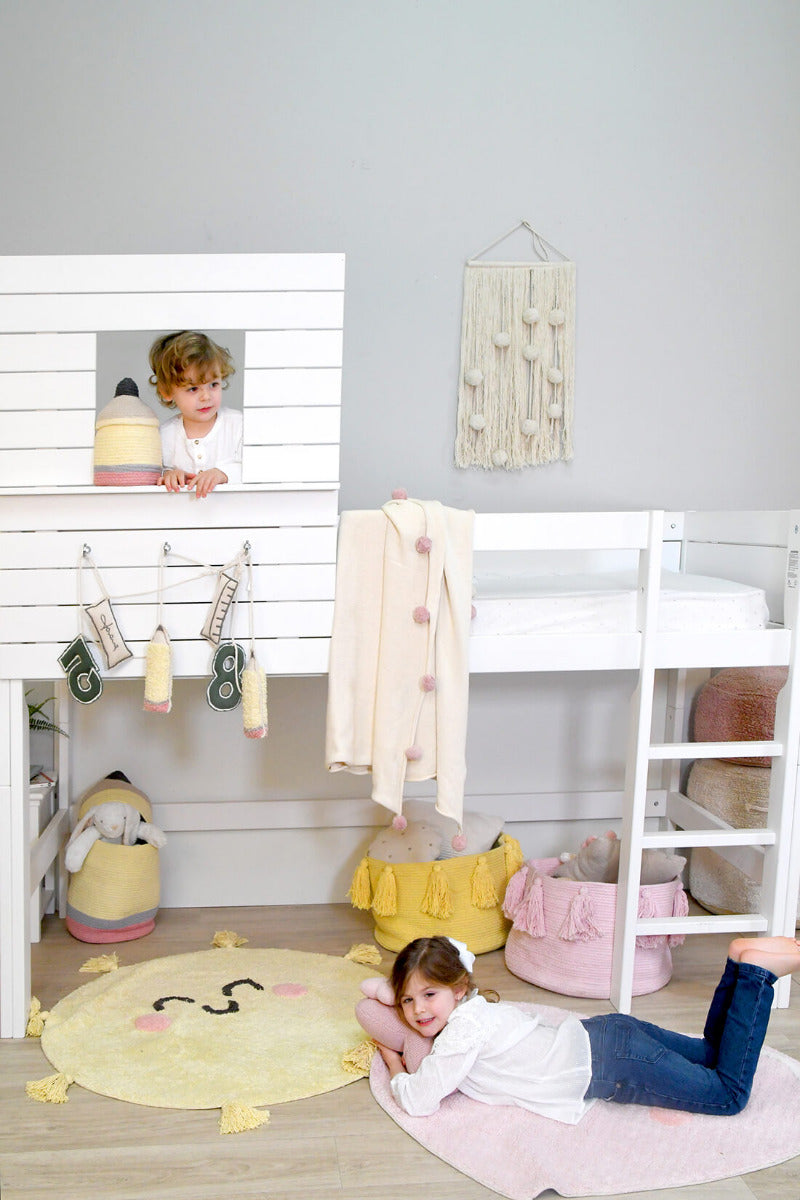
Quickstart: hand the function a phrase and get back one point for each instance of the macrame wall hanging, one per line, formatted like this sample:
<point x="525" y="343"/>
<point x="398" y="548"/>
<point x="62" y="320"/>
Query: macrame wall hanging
<point x="516" y="386"/>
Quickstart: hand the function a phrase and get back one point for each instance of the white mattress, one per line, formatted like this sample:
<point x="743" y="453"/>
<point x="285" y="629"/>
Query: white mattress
<point x="606" y="603"/>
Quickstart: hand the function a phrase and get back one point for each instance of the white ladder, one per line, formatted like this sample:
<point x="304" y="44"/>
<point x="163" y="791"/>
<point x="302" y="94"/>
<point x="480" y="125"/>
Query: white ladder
<point x="780" y="837"/>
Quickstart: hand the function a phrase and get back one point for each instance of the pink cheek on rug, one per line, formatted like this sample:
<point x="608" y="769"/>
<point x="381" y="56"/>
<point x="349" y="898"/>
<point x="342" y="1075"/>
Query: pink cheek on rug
<point x="668" y="1116"/>
<point x="290" y="990"/>
<point x="153" y="1022"/>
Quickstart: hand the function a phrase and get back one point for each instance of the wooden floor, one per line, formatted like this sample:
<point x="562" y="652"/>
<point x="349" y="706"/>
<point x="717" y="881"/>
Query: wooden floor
<point x="337" y="1145"/>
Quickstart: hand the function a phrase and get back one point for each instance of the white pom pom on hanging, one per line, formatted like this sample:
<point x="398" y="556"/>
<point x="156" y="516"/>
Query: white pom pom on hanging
<point x="530" y="315"/>
<point x="530" y="353"/>
<point x="554" y="375"/>
<point x="556" y="316"/>
<point x="477" y="421"/>
<point x="529" y="427"/>
<point x="473" y="377"/>
<point x="555" y="410"/>
<point x="502" y="339"/>
<point x="499" y="458"/>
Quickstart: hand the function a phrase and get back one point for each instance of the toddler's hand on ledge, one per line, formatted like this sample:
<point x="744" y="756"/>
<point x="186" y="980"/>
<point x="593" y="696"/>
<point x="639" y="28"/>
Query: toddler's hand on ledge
<point x="174" y="479"/>
<point x="206" y="481"/>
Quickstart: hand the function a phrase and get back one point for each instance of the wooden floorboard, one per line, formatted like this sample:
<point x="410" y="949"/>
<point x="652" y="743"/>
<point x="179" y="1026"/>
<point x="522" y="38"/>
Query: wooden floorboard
<point x="337" y="1145"/>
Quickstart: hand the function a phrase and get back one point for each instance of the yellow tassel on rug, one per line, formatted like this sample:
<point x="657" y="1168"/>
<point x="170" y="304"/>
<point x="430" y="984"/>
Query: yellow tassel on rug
<point x="50" y="1090"/>
<point x="357" y="1061"/>
<point x="226" y="939"/>
<point x="36" y="1019"/>
<point x="101" y="964"/>
<point x="364" y="953"/>
<point x="238" y="1118"/>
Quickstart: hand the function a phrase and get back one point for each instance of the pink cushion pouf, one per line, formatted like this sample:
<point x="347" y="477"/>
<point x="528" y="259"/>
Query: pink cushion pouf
<point x="738" y="705"/>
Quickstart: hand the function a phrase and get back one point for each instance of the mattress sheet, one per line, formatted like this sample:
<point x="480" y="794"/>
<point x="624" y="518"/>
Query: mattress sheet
<point x="606" y="603"/>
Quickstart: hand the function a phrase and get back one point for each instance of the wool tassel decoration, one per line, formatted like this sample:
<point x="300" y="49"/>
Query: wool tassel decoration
<point x="364" y="953"/>
<point x="436" y="902"/>
<point x="254" y="699"/>
<point x="50" y="1090"/>
<point x="647" y="941"/>
<point x="358" y="1060"/>
<point x="101" y="964"/>
<point x="515" y="892"/>
<point x="579" y="923"/>
<point x="484" y="893"/>
<point x="530" y="917"/>
<point x="512" y="852"/>
<point x="680" y="908"/>
<point x="516" y="386"/>
<point x="226" y="939"/>
<point x="384" y="903"/>
<point x="36" y="1019"/>
<point x="158" y="673"/>
<point x="239" y="1118"/>
<point x="360" y="892"/>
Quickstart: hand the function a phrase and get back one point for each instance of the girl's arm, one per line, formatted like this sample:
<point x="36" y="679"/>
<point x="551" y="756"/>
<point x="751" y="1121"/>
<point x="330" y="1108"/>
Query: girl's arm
<point x="438" y="1075"/>
<point x="393" y="1060"/>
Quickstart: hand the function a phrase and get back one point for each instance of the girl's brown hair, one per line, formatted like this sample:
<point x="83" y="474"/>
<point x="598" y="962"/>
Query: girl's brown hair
<point x="174" y="354"/>
<point x="436" y="959"/>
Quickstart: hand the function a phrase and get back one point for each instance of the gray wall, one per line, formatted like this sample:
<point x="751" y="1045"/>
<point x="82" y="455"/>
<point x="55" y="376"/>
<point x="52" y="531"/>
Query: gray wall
<point x="654" y="143"/>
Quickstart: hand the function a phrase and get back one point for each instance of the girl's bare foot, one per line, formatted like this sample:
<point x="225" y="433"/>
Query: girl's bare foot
<point x="780" y="955"/>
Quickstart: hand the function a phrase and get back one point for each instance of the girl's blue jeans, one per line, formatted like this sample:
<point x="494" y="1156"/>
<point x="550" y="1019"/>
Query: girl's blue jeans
<point x="634" y="1062"/>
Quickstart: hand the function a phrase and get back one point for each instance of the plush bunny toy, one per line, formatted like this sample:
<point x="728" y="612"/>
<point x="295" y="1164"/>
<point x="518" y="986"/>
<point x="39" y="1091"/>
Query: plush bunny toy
<point x="113" y="821"/>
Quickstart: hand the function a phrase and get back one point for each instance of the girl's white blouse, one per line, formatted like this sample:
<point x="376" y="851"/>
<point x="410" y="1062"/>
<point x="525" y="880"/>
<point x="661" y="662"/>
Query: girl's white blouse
<point x="221" y="447"/>
<point x="498" y="1054"/>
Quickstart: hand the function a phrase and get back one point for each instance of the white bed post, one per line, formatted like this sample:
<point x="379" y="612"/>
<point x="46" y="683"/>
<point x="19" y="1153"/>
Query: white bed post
<point x="636" y="772"/>
<point x="15" y="889"/>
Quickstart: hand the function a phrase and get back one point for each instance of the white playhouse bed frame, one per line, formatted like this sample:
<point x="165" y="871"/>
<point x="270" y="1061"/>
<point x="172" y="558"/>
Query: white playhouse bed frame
<point x="291" y="307"/>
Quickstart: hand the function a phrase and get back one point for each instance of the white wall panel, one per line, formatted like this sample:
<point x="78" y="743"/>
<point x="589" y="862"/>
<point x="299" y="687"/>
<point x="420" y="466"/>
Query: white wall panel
<point x="292" y="385"/>
<point x="287" y="464"/>
<point x="47" y="429"/>
<point x="32" y="468"/>
<point x="276" y="426"/>
<point x="47" y="389"/>
<point x="47" y="351"/>
<point x="293" y="348"/>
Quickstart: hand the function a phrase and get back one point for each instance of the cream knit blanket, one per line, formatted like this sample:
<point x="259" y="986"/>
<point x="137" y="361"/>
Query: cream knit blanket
<point x="398" y="684"/>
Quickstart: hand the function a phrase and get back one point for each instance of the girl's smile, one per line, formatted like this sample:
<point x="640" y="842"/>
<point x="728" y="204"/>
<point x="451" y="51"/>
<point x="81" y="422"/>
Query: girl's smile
<point x="426" y="1006"/>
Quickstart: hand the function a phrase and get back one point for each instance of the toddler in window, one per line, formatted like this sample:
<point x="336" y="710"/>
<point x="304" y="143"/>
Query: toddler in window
<point x="202" y="446"/>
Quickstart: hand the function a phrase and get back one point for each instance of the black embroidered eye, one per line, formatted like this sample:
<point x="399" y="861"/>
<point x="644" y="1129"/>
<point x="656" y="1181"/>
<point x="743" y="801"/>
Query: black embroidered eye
<point x="228" y="991"/>
<point x="159" y="1004"/>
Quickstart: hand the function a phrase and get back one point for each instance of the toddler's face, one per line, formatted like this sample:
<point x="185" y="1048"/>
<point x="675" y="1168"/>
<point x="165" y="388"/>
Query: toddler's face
<point x="198" y="399"/>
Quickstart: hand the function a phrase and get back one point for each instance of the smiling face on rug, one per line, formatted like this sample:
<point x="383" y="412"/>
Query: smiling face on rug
<point x="426" y="1006"/>
<point x="193" y="1030"/>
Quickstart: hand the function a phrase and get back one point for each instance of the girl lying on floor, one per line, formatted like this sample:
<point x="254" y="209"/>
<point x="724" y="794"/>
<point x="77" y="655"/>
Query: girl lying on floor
<point x="442" y="1036"/>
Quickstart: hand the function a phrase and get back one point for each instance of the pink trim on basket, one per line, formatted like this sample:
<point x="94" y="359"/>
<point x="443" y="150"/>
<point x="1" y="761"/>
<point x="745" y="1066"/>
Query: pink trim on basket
<point x="87" y="933"/>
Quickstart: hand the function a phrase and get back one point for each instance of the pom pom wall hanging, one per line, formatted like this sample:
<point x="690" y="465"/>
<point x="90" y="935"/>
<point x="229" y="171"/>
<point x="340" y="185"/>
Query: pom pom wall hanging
<point x="516" y="385"/>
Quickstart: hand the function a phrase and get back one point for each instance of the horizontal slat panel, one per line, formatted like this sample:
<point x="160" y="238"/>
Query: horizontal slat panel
<point x="292" y="385"/>
<point x="311" y="618"/>
<point x="170" y="272"/>
<point x="168" y="310"/>
<point x="293" y="348"/>
<point x="153" y="508"/>
<point x="290" y="464"/>
<point x="294" y="581"/>
<point x="561" y="531"/>
<point x="142" y="548"/>
<point x="278" y="426"/>
<point x="47" y="389"/>
<point x="280" y="656"/>
<point x="750" y="528"/>
<point x="19" y="468"/>
<point x="47" y="351"/>
<point x="42" y="430"/>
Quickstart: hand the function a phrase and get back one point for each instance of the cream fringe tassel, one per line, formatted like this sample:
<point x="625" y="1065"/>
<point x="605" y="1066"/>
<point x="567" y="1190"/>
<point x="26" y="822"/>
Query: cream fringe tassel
<point x="226" y="939"/>
<point x="238" y="1118"/>
<point x="365" y="953"/>
<point x="515" y="393"/>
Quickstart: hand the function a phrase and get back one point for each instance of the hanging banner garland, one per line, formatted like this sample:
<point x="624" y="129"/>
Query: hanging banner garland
<point x="84" y="682"/>
<point x="158" y="667"/>
<point x="254" y="678"/>
<point x="516" y="386"/>
<point x="224" y="691"/>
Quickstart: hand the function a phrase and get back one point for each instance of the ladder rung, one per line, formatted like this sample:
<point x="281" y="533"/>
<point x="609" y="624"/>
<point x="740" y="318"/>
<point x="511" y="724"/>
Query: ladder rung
<point x="730" y="923"/>
<point x="709" y="837"/>
<point x="716" y="750"/>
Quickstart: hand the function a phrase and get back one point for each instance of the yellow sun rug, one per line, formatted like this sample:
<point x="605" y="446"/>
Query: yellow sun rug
<point x="215" y="1028"/>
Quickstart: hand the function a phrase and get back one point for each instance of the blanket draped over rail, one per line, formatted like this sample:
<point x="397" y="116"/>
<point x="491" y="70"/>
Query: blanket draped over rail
<point x="399" y="671"/>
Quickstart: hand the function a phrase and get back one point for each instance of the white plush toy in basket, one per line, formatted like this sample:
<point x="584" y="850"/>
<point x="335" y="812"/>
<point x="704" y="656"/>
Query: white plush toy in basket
<point x="563" y="931"/>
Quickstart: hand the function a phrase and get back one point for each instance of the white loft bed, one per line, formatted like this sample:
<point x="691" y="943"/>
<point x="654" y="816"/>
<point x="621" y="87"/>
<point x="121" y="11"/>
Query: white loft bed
<point x="290" y="523"/>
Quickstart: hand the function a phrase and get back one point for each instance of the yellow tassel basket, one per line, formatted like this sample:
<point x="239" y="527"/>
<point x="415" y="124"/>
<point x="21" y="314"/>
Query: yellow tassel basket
<point x="459" y="897"/>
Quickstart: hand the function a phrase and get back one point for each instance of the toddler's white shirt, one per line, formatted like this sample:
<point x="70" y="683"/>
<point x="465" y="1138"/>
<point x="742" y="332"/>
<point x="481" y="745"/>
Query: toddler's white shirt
<point x="221" y="447"/>
<point x="498" y="1054"/>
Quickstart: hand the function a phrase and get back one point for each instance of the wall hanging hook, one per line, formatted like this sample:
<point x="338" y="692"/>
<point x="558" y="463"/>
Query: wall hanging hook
<point x="166" y="548"/>
<point x="246" y="547"/>
<point x="87" y="550"/>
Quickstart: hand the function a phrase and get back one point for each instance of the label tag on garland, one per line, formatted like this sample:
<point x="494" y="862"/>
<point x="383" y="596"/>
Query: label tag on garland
<point x="84" y="681"/>
<point x="224" y="691"/>
<point x="112" y="643"/>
